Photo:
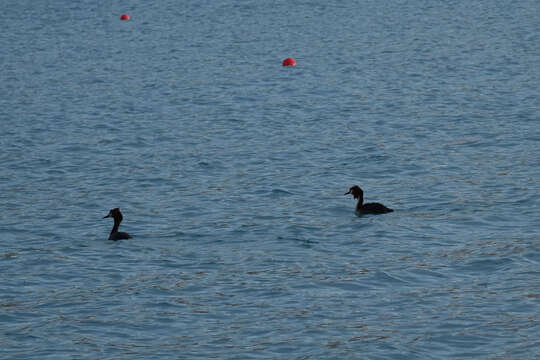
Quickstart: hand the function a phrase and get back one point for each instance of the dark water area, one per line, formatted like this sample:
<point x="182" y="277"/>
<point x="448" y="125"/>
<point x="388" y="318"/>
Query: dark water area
<point x="230" y="171"/>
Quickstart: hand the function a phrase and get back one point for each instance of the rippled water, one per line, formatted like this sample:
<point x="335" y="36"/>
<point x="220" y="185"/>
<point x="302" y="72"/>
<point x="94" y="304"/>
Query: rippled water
<point x="230" y="171"/>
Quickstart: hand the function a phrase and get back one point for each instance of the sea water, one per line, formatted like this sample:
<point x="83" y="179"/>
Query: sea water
<point x="231" y="170"/>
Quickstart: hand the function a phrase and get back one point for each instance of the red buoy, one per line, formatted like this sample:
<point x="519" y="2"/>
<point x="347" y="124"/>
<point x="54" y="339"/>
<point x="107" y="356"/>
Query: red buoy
<point x="124" y="17"/>
<point x="289" y="62"/>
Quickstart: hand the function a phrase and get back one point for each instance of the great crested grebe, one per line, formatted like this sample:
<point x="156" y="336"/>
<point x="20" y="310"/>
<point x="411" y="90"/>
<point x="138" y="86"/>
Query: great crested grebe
<point x="115" y="234"/>
<point x="369" y="208"/>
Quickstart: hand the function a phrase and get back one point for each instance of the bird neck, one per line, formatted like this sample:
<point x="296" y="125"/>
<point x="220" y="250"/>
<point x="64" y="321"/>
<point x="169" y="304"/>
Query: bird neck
<point x="117" y="222"/>
<point x="360" y="202"/>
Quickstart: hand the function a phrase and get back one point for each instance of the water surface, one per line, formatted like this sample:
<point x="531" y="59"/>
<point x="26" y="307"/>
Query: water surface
<point x="230" y="171"/>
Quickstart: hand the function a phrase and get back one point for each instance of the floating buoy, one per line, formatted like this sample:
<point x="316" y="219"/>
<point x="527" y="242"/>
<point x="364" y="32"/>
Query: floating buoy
<point x="124" y="17"/>
<point x="289" y="62"/>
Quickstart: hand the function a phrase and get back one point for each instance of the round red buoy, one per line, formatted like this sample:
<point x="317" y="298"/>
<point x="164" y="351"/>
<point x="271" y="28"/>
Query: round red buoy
<point x="289" y="62"/>
<point x="124" y="17"/>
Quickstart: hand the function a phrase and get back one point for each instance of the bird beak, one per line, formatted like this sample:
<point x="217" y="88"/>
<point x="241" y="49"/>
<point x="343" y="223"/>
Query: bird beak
<point x="107" y="216"/>
<point x="347" y="193"/>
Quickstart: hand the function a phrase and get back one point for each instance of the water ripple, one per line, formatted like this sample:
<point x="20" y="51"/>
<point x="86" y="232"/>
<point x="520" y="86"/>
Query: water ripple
<point x="230" y="171"/>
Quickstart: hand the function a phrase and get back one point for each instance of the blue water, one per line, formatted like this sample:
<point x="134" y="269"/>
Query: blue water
<point x="230" y="171"/>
